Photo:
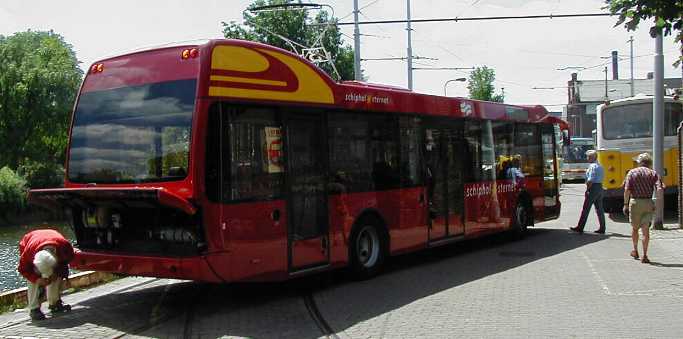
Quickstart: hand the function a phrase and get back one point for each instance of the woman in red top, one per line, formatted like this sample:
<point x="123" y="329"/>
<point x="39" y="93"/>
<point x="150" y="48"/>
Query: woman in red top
<point x="44" y="259"/>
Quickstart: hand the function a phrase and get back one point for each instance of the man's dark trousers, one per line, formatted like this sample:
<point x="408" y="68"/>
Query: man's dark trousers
<point x="593" y="197"/>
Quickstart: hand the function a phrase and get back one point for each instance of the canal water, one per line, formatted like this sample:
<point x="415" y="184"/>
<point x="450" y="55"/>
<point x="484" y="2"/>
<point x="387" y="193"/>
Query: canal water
<point x="9" y="251"/>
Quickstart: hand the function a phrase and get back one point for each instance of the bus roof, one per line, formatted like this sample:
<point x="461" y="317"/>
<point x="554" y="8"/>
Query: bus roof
<point x="638" y="98"/>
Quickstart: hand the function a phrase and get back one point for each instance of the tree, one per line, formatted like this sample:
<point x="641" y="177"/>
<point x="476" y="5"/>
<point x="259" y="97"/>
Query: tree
<point x="667" y="14"/>
<point x="39" y="78"/>
<point x="296" y="25"/>
<point x="480" y="85"/>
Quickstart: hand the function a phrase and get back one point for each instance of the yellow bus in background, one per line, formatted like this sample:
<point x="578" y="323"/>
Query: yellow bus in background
<point x="624" y="130"/>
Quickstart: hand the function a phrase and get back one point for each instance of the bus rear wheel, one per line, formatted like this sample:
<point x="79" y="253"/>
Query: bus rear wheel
<point x="520" y="220"/>
<point x="367" y="251"/>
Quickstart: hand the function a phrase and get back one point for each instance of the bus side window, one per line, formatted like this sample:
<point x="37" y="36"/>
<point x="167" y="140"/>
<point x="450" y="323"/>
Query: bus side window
<point x="363" y="152"/>
<point x="212" y="179"/>
<point x="243" y="154"/>
<point x="528" y="147"/>
<point x="384" y="152"/>
<point x="410" y="151"/>
<point x="503" y="141"/>
<point x="349" y="168"/>
<point x="479" y="152"/>
<point x="256" y="167"/>
<point x="472" y="153"/>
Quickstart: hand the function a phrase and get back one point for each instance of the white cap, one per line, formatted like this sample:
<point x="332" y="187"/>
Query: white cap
<point x="45" y="262"/>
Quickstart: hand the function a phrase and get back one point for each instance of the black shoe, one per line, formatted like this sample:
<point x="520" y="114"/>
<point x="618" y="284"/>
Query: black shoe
<point x="60" y="307"/>
<point x="36" y="314"/>
<point x="599" y="231"/>
<point x="576" y="229"/>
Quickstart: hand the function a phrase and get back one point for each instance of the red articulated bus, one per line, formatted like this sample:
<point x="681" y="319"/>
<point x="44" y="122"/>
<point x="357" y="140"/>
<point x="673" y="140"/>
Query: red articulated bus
<point x="237" y="161"/>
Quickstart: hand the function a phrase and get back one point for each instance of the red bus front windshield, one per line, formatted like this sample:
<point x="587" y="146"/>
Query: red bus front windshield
<point x="132" y="134"/>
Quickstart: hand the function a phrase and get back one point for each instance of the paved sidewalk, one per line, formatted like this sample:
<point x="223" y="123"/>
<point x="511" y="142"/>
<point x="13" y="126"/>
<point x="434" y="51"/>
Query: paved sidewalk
<point x="553" y="284"/>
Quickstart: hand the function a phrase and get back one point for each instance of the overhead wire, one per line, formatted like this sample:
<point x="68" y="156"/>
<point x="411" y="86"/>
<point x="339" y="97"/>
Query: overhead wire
<point x="446" y="50"/>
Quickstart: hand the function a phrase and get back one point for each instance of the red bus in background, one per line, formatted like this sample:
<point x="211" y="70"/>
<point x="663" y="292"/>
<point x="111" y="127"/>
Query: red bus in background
<point x="238" y="161"/>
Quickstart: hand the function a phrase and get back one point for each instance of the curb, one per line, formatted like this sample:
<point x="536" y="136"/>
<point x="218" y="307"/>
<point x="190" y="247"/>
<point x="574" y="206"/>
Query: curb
<point x="78" y="280"/>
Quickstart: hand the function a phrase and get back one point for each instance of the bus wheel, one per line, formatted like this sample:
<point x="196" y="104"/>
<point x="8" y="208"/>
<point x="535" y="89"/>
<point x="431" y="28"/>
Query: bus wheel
<point x="367" y="250"/>
<point x="520" y="221"/>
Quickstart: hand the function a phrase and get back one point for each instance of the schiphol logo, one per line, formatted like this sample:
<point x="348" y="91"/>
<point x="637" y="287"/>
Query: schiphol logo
<point x="367" y="98"/>
<point x="485" y="189"/>
<point x="466" y="107"/>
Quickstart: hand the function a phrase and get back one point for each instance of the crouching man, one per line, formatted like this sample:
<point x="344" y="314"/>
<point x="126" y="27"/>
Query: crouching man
<point x="44" y="259"/>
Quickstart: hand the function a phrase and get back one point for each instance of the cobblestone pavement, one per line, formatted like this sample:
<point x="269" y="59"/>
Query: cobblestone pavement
<point x="551" y="284"/>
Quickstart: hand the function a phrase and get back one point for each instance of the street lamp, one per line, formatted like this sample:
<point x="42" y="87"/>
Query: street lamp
<point x="451" y="80"/>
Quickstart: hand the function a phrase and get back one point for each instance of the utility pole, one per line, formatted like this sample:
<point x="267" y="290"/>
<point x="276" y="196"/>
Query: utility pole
<point x="633" y="85"/>
<point x="606" y="96"/>
<point x="658" y="126"/>
<point x="410" y="47"/>
<point x="356" y="44"/>
<point x="615" y="65"/>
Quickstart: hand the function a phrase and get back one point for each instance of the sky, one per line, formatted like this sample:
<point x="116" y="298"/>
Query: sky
<point x="524" y="53"/>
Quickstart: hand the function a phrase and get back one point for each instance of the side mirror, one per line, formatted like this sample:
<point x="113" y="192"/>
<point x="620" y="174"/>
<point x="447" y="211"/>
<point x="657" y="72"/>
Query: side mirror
<point x="566" y="140"/>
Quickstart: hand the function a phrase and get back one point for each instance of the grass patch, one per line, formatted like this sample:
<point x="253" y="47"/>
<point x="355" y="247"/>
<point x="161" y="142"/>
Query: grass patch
<point x="12" y="307"/>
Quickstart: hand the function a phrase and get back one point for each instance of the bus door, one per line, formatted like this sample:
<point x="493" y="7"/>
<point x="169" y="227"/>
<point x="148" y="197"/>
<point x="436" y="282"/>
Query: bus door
<point x="443" y="180"/>
<point x="550" y="174"/>
<point x="308" y="231"/>
<point x="455" y="179"/>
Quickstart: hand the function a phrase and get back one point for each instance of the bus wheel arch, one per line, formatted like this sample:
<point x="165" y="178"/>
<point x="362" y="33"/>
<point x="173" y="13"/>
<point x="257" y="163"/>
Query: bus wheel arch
<point x="368" y="244"/>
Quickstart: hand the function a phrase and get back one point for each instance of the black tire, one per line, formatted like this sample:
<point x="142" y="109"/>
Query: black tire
<point x="520" y="220"/>
<point x="367" y="250"/>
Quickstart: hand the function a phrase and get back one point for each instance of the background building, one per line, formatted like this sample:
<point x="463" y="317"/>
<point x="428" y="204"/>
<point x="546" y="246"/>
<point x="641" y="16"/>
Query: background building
<point x="585" y="95"/>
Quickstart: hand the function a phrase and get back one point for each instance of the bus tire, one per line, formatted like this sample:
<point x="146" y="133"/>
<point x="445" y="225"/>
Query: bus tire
<point x="520" y="219"/>
<point x="367" y="250"/>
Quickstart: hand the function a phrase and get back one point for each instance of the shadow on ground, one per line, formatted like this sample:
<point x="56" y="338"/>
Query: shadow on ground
<point x="279" y="309"/>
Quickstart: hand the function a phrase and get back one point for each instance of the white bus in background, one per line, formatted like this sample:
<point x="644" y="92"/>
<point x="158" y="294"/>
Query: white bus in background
<point x="574" y="156"/>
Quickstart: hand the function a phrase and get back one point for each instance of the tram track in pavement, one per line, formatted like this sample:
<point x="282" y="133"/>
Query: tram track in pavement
<point x="155" y="319"/>
<point x="188" y="317"/>
<point x="317" y="317"/>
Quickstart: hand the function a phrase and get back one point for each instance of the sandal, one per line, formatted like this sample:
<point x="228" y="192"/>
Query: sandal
<point x="645" y="260"/>
<point x="634" y="254"/>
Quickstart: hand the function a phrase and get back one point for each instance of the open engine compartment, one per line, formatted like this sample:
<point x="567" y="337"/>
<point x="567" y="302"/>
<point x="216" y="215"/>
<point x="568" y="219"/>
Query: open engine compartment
<point x="150" y="231"/>
<point x="135" y="221"/>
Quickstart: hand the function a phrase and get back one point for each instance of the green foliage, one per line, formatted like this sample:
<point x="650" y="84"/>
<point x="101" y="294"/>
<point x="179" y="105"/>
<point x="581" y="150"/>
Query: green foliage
<point x="39" y="78"/>
<point x="42" y="175"/>
<point x="667" y="16"/>
<point x="480" y="85"/>
<point x="296" y="25"/>
<point x="12" y="192"/>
